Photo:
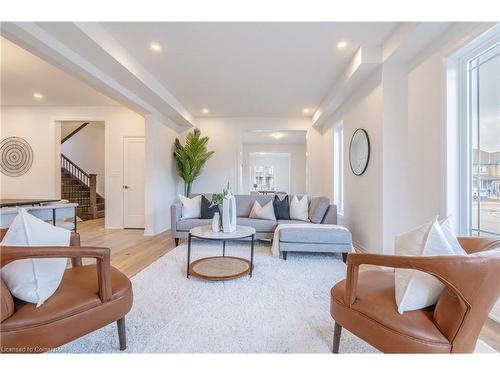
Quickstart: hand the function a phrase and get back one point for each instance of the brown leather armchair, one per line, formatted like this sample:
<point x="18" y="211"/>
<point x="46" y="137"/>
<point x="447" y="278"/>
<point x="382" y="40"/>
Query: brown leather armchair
<point x="88" y="298"/>
<point x="365" y="305"/>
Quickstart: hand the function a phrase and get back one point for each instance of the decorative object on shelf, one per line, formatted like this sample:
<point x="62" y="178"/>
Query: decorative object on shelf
<point x="16" y="156"/>
<point x="216" y="223"/>
<point x="228" y="202"/>
<point x="191" y="158"/>
<point x="359" y="152"/>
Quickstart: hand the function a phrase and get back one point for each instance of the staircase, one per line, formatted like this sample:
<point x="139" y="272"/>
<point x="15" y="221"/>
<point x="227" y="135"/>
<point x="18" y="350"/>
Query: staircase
<point x="78" y="186"/>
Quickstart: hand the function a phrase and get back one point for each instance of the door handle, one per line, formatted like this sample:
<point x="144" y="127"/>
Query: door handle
<point x="126" y="187"/>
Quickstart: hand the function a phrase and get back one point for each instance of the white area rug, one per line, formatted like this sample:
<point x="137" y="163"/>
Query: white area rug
<point x="283" y="308"/>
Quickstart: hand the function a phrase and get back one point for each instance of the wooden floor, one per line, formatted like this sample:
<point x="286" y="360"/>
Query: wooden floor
<point x="131" y="252"/>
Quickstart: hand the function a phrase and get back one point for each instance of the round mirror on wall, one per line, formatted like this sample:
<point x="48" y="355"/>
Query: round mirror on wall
<point x="359" y="152"/>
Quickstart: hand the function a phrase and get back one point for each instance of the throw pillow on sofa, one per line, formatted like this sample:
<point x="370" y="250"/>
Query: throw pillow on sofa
<point x="414" y="289"/>
<point x="207" y="212"/>
<point x="318" y="208"/>
<point x="191" y="207"/>
<point x="299" y="209"/>
<point x="281" y="208"/>
<point x="34" y="280"/>
<point x="265" y="212"/>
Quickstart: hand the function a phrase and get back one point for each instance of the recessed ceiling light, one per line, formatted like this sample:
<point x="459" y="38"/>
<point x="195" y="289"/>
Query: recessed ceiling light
<point x="155" y="46"/>
<point x="342" y="44"/>
<point x="277" y="135"/>
<point x="306" y="111"/>
<point x="205" y="110"/>
<point x="38" y="96"/>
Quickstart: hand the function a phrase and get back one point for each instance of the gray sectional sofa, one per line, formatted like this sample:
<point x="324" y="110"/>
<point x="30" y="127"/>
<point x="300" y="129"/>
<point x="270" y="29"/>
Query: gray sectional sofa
<point x="301" y="239"/>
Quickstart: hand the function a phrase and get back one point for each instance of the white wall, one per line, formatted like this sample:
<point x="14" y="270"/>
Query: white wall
<point x="297" y="160"/>
<point x="403" y="108"/>
<point x="316" y="163"/>
<point x="42" y="135"/>
<point x="320" y="161"/>
<point x="87" y="149"/>
<point x="160" y="175"/>
<point x="40" y="127"/>
<point x="363" y="194"/>
<point x="226" y="140"/>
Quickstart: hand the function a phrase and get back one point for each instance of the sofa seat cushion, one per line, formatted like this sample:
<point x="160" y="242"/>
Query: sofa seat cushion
<point x="187" y="224"/>
<point x="338" y="235"/>
<point x="260" y="225"/>
<point x="78" y="292"/>
<point x="375" y="303"/>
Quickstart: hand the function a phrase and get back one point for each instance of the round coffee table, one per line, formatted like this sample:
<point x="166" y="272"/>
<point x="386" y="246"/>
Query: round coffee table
<point x="220" y="267"/>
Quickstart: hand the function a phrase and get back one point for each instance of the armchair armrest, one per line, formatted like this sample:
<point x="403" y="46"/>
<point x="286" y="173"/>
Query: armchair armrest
<point x="461" y="274"/>
<point x="476" y="244"/>
<point x="175" y="216"/>
<point x="102" y="256"/>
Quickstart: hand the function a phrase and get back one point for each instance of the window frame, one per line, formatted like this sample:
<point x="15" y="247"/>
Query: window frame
<point x="338" y="167"/>
<point x="465" y="127"/>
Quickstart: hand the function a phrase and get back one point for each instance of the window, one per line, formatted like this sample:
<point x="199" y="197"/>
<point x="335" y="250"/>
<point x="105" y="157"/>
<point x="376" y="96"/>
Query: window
<point x="483" y="118"/>
<point x="338" y="167"/>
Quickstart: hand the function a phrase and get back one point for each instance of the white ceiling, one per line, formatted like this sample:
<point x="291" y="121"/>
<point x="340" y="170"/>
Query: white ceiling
<point x="23" y="74"/>
<point x="274" y="137"/>
<point x="247" y="69"/>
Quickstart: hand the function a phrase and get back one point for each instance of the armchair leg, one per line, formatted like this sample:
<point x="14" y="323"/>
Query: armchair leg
<point x="121" y="333"/>
<point x="336" y="338"/>
<point x="344" y="257"/>
<point x="284" y="254"/>
<point x="176" y="241"/>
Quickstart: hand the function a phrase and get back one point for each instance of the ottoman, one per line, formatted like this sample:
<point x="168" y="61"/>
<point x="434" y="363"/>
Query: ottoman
<point x="315" y="238"/>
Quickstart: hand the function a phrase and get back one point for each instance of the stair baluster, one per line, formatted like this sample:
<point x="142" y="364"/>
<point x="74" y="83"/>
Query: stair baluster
<point x="81" y="187"/>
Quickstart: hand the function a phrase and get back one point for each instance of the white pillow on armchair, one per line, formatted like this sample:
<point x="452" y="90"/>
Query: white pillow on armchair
<point x="34" y="280"/>
<point x="416" y="289"/>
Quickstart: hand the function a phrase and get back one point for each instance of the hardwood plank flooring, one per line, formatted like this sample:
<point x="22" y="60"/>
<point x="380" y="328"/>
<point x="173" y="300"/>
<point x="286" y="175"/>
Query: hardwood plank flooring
<point x="131" y="252"/>
<point x="490" y="334"/>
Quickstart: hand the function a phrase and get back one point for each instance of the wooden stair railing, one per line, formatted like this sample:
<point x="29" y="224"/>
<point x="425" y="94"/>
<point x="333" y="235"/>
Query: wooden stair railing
<point x="74" y="132"/>
<point x="80" y="186"/>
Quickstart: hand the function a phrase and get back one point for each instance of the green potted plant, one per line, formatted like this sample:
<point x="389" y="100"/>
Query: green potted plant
<point x="191" y="158"/>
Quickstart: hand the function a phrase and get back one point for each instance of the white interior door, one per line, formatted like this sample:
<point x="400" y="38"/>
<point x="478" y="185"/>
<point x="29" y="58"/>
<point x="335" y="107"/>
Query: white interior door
<point x="133" y="182"/>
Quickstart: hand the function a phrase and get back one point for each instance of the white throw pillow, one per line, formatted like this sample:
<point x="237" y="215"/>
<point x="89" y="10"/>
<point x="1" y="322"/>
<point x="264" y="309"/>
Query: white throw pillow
<point x="191" y="207"/>
<point x="299" y="209"/>
<point x="34" y="280"/>
<point x="266" y="212"/>
<point x="451" y="237"/>
<point x="415" y="289"/>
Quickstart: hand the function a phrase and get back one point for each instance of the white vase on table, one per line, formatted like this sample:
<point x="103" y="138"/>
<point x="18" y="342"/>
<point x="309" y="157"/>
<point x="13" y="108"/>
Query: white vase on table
<point x="216" y="223"/>
<point x="229" y="213"/>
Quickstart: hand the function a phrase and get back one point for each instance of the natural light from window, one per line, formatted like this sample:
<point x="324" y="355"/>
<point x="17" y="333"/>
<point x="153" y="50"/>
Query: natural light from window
<point x="338" y="168"/>
<point x="484" y="125"/>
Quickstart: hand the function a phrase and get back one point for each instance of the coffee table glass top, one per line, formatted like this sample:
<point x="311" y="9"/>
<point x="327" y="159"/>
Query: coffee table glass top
<point x="206" y="232"/>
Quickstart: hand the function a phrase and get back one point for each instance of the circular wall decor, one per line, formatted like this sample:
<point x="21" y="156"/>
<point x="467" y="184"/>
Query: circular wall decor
<point x="16" y="156"/>
<point x="359" y="152"/>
